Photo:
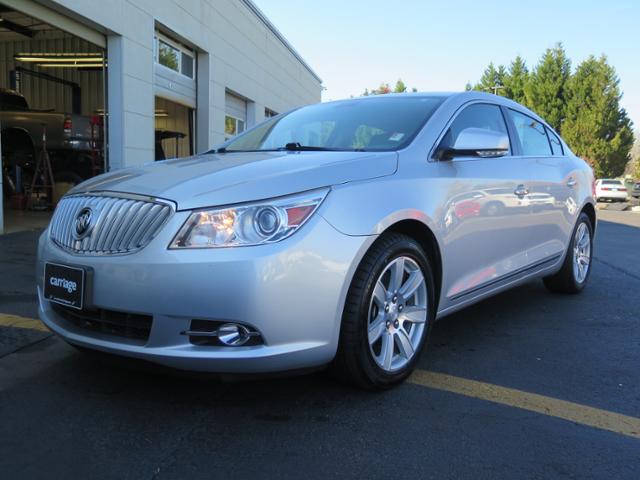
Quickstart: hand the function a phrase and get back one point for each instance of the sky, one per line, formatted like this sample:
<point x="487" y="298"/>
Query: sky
<point x="440" y="46"/>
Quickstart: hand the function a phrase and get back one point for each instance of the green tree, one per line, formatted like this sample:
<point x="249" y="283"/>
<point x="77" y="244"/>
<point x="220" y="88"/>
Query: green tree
<point x="596" y="127"/>
<point x="384" y="88"/>
<point x="400" y="87"/>
<point x="492" y="80"/>
<point x="516" y="80"/>
<point x="635" y="157"/>
<point x="545" y="90"/>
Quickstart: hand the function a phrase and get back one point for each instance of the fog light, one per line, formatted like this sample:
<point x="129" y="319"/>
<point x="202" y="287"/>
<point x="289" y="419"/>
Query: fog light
<point x="233" y="335"/>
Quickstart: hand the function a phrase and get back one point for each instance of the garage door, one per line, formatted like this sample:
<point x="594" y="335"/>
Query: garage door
<point x="235" y="121"/>
<point x="175" y="71"/>
<point x="53" y="84"/>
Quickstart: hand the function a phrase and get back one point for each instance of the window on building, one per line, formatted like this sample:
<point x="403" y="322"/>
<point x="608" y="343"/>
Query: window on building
<point x="268" y="113"/>
<point x="233" y="126"/>
<point x="173" y="55"/>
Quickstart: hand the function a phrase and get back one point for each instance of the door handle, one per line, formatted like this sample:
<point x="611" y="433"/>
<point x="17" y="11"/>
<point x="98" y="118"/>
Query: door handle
<point x="521" y="191"/>
<point x="571" y="182"/>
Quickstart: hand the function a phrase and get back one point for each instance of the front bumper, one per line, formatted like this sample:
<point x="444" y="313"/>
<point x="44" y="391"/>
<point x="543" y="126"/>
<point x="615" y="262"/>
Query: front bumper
<point x="292" y="292"/>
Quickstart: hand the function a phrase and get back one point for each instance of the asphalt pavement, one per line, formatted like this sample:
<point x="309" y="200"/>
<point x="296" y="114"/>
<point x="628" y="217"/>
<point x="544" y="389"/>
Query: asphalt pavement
<point x="67" y="414"/>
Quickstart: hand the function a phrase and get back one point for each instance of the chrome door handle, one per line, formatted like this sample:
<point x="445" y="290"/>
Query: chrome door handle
<point x="571" y="182"/>
<point x="521" y="191"/>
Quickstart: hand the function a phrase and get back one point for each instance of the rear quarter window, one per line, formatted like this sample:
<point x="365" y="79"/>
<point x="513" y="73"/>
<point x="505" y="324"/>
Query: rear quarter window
<point x="556" y="144"/>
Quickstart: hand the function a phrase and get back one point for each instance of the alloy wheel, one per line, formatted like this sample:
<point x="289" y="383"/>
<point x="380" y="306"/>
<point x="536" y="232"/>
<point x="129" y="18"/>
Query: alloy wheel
<point x="581" y="253"/>
<point x="397" y="314"/>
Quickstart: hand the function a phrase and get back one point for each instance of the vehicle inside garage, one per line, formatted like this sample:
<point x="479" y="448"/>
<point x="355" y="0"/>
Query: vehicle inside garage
<point x="52" y="110"/>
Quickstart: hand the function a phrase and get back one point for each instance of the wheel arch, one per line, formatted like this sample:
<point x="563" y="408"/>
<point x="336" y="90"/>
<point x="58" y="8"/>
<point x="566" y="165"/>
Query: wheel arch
<point x="429" y="243"/>
<point x="17" y="136"/>
<point x="590" y="210"/>
<point x="13" y="139"/>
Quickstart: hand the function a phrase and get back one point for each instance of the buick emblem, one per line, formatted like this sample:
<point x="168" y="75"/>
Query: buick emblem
<point x="83" y="223"/>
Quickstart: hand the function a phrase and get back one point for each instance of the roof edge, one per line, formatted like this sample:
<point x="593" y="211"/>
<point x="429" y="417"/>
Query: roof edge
<point x="263" y="18"/>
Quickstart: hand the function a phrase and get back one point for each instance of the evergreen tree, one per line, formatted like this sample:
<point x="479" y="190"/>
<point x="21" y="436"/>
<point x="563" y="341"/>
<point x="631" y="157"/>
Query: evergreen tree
<point x="596" y="127"/>
<point x="545" y="90"/>
<point x="492" y="80"/>
<point x="516" y="80"/>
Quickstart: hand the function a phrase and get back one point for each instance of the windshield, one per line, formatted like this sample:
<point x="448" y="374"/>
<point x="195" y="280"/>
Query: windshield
<point x="611" y="182"/>
<point x="374" y="124"/>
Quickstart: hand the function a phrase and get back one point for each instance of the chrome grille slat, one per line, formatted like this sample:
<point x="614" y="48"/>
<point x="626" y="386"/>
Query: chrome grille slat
<point x="98" y="227"/>
<point x="138" y="238"/>
<point x="135" y="223"/>
<point x="121" y="224"/>
<point x="127" y="211"/>
<point x="114" y="223"/>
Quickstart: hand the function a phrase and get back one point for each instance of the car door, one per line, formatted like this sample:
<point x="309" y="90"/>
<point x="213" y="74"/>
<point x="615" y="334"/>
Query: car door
<point x="484" y="219"/>
<point x="552" y="196"/>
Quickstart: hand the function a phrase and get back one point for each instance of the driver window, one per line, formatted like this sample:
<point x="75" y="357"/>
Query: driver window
<point x="478" y="115"/>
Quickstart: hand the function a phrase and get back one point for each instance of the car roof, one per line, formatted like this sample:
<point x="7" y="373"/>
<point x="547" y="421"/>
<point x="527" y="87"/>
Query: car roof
<point x="459" y="97"/>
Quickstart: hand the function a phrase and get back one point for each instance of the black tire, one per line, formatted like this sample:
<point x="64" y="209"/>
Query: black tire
<point x="564" y="281"/>
<point x="354" y="362"/>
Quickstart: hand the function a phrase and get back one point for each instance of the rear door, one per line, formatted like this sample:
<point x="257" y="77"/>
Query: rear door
<point x="552" y="199"/>
<point x="485" y="218"/>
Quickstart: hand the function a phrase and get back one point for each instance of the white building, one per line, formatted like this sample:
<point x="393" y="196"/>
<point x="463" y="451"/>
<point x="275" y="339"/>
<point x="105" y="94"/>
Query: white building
<point x="206" y="69"/>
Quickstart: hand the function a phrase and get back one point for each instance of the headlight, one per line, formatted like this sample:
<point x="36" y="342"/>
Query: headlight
<point x="248" y="224"/>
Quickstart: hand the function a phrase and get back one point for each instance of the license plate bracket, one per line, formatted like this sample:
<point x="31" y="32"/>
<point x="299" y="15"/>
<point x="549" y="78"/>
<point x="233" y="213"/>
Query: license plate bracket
<point x="65" y="285"/>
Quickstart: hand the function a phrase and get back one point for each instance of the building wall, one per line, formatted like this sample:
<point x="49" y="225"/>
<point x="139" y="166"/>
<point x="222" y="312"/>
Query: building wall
<point x="237" y="52"/>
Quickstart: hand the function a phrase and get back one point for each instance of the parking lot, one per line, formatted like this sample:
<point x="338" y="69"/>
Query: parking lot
<point x="524" y="385"/>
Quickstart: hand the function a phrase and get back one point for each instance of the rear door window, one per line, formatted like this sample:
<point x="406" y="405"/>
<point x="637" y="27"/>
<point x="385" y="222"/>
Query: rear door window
<point x="532" y="135"/>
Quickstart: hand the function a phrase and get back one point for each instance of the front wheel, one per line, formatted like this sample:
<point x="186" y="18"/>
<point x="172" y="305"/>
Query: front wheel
<point x="576" y="268"/>
<point x="389" y="312"/>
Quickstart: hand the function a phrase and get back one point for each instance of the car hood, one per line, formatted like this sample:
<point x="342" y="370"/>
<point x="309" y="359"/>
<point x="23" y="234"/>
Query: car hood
<point x="221" y="179"/>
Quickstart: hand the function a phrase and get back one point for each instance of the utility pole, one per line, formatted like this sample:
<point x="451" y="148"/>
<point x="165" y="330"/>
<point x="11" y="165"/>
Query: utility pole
<point x="495" y="88"/>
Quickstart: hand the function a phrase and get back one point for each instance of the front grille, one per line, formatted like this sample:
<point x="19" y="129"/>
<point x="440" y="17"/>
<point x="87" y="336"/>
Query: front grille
<point x="116" y="224"/>
<point x="109" y="322"/>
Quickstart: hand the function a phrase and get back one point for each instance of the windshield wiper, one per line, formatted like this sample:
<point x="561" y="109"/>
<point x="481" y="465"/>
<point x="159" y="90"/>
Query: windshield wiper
<point x="291" y="147"/>
<point x="297" y="147"/>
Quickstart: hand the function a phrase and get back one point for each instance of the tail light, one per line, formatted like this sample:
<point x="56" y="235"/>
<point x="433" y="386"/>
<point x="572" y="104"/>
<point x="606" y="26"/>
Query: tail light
<point x="67" y="126"/>
<point x="606" y="189"/>
<point x="623" y="189"/>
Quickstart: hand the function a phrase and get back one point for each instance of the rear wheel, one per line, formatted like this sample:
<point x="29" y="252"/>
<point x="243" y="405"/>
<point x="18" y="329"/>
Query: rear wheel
<point x="388" y="314"/>
<point x="576" y="268"/>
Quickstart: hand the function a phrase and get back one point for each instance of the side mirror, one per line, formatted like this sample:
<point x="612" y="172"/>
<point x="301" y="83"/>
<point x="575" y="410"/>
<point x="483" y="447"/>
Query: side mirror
<point x="477" y="142"/>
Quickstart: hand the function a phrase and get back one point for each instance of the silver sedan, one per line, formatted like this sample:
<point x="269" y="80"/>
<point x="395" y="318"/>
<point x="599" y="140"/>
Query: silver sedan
<point x="334" y="234"/>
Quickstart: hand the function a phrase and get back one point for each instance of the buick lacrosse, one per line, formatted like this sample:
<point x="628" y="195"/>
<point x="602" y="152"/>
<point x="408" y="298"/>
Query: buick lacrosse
<point x="334" y="234"/>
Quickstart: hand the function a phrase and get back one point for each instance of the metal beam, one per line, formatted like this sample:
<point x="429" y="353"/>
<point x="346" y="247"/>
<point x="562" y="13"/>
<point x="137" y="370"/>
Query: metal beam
<point x="17" y="28"/>
<point x="76" y="92"/>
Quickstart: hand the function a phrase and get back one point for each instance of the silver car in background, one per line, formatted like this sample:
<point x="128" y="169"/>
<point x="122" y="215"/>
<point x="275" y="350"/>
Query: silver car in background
<point x="334" y="234"/>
